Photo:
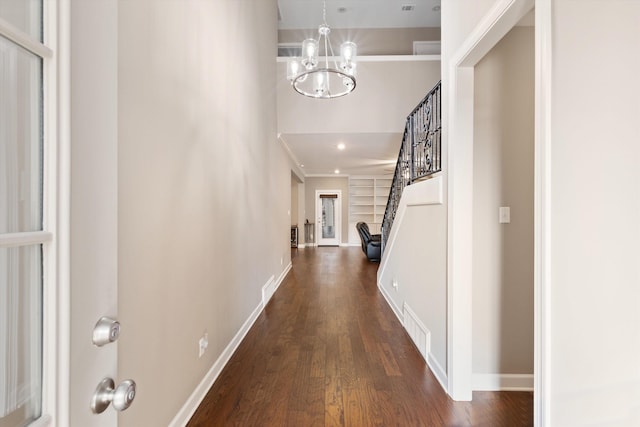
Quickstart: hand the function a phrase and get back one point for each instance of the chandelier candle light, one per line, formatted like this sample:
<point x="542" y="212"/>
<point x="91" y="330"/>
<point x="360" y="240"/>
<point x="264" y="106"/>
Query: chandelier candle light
<point x="311" y="75"/>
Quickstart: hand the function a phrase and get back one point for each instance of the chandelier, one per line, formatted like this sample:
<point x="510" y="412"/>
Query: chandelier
<point x="321" y="76"/>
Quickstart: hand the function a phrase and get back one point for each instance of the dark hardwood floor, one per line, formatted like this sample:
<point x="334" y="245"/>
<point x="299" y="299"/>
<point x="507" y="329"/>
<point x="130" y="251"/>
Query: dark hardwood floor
<point x="328" y="351"/>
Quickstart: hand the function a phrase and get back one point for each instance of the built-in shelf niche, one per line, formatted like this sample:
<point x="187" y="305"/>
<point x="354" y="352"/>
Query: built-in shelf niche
<point x="367" y="202"/>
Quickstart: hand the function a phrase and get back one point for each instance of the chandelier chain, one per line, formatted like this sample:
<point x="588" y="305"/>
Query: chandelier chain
<point x="324" y="12"/>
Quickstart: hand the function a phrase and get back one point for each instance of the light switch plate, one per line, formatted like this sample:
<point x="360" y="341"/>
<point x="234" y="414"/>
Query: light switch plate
<point x="505" y="215"/>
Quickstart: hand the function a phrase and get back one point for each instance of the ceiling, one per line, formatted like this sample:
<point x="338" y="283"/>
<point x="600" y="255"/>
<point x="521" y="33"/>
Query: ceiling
<point x="303" y="14"/>
<point x="364" y="153"/>
<point x="368" y="152"/>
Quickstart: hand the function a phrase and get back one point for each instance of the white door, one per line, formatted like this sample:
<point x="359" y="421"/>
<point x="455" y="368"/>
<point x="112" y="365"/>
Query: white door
<point x="93" y="227"/>
<point x="328" y="217"/>
<point x="58" y="211"/>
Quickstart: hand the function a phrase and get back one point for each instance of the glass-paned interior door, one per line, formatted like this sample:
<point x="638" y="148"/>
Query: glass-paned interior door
<point x="22" y="235"/>
<point x="328" y="218"/>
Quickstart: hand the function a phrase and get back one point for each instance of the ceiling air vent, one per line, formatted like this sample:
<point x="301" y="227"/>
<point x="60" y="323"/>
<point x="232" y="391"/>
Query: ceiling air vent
<point x="408" y="7"/>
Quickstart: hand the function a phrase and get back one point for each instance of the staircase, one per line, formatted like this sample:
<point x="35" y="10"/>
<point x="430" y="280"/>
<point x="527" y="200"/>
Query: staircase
<point x="420" y="153"/>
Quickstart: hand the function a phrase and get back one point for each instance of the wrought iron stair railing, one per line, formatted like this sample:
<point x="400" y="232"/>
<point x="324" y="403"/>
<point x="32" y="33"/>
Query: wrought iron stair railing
<point x="420" y="153"/>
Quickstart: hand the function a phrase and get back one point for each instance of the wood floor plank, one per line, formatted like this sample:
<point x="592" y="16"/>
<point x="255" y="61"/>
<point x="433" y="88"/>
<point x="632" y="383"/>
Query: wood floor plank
<point x="328" y="351"/>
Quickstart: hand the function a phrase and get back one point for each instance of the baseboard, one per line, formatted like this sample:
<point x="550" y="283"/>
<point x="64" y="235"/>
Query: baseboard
<point x="438" y="372"/>
<point x="419" y="333"/>
<point x="268" y="290"/>
<point x="189" y="408"/>
<point x="502" y="382"/>
<point x="421" y="337"/>
<point x="396" y="310"/>
<point x="281" y="277"/>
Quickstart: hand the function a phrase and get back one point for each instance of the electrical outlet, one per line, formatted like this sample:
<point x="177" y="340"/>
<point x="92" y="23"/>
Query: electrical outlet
<point x="203" y="343"/>
<point x="395" y="284"/>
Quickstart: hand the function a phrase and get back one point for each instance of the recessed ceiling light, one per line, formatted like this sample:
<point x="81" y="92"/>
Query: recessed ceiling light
<point x="341" y="146"/>
<point x="337" y="171"/>
<point x="436" y="8"/>
<point x="301" y="166"/>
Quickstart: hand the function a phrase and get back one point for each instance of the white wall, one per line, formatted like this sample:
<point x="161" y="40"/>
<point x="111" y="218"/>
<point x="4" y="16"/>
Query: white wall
<point x="385" y="95"/>
<point x="204" y="188"/>
<point x="503" y="176"/>
<point x="415" y="257"/>
<point x="327" y="183"/>
<point x="594" y="207"/>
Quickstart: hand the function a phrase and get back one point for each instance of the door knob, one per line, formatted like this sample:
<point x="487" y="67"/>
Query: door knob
<point x="120" y="397"/>
<point x="106" y="331"/>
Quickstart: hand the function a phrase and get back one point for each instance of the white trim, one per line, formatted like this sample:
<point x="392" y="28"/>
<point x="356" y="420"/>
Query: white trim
<point x="542" y="215"/>
<point x="58" y="371"/>
<point x="327" y="175"/>
<point x="272" y="285"/>
<point x="191" y="405"/>
<point x="411" y="317"/>
<point x="350" y="245"/>
<point x="282" y="275"/>
<point x="503" y="16"/>
<point x="438" y="372"/>
<point x="268" y="291"/>
<point x="338" y="218"/>
<point x="502" y="382"/>
<point x="189" y="408"/>
<point x="295" y="163"/>
<point x="43" y="421"/>
<point x="459" y="234"/>
<point x="19" y="37"/>
<point x="396" y="310"/>
<point x="499" y="20"/>
<point x="23" y="239"/>
<point x="280" y="278"/>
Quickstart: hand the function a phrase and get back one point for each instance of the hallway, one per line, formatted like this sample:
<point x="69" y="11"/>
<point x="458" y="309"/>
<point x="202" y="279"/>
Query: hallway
<point x="327" y="350"/>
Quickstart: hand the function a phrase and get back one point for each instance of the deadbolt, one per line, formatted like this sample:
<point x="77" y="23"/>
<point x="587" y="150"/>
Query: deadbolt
<point x="121" y="397"/>
<point x="106" y="331"/>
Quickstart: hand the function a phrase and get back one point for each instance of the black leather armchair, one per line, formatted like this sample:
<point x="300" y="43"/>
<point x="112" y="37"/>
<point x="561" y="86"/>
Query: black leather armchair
<point x="370" y="242"/>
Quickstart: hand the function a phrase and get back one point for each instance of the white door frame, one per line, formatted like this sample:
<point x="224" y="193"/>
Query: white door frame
<point x="338" y="239"/>
<point x="500" y="19"/>
<point x="54" y="237"/>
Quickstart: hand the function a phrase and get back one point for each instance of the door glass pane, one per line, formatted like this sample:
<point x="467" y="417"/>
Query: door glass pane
<point x="24" y="14"/>
<point x="20" y="139"/>
<point x="328" y="218"/>
<point x="20" y="335"/>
